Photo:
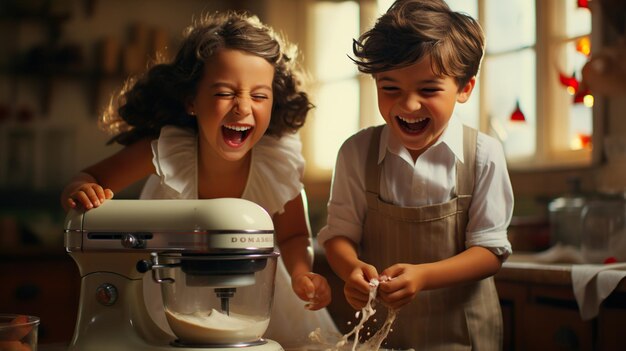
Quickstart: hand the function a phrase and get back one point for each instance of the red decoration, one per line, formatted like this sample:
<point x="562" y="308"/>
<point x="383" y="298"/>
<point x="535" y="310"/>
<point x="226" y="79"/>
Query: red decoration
<point x="585" y="140"/>
<point x="579" y="97"/>
<point x="610" y="260"/>
<point x="583" y="4"/>
<point x="518" y="115"/>
<point x="570" y="82"/>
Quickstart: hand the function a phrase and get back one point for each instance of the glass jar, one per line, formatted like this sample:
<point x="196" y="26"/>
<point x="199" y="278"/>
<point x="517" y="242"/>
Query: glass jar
<point x="603" y="229"/>
<point x="565" y="216"/>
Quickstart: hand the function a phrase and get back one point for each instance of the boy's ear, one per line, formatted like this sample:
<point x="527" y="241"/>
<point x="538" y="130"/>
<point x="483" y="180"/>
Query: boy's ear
<point x="466" y="91"/>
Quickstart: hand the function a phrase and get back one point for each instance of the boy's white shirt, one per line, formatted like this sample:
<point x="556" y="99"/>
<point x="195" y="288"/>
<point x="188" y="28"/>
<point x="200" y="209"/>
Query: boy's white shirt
<point x="428" y="181"/>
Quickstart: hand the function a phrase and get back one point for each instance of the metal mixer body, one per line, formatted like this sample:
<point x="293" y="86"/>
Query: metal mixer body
<point x="116" y="244"/>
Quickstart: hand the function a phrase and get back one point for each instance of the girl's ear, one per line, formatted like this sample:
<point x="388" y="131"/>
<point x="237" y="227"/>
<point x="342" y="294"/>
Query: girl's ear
<point x="190" y="108"/>
<point x="465" y="92"/>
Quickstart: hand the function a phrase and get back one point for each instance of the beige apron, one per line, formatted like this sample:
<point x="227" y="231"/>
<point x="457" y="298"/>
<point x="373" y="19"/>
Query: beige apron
<point x="458" y="318"/>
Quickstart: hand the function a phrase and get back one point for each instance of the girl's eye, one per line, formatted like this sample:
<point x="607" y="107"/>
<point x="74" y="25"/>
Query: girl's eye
<point x="225" y="94"/>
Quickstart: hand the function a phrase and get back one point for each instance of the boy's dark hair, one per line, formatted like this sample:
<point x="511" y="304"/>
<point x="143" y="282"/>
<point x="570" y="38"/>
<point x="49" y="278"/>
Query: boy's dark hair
<point x="159" y="97"/>
<point x="412" y="29"/>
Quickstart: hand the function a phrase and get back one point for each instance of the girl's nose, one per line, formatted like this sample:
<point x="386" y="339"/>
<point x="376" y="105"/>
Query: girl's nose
<point x="411" y="102"/>
<point x="242" y="106"/>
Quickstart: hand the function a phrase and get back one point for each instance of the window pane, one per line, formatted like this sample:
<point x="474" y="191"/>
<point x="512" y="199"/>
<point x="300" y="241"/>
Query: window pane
<point x="509" y="24"/>
<point x="580" y="116"/>
<point x="333" y="42"/>
<point x="384" y="5"/>
<point x="510" y="79"/>
<point x="578" y="19"/>
<point x="335" y="118"/>
<point x="466" y="6"/>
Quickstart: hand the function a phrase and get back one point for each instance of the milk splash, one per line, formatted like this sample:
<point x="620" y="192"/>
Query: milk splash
<point x="373" y="343"/>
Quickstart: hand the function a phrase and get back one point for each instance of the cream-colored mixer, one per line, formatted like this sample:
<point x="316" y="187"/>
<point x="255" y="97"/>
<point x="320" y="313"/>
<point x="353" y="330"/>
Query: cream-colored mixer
<point x="214" y="260"/>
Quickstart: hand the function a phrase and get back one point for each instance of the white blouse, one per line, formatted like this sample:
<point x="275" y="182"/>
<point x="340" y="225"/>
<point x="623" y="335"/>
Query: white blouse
<point x="275" y="175"/>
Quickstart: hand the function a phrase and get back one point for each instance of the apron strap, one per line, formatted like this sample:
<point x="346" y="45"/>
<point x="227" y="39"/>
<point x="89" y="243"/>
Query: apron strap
<point x="466" y="171"/>
<point x="372" y="171"/>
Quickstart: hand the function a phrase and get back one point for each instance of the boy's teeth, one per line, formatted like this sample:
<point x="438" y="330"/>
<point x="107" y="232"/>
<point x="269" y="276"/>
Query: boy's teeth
<point x="411" y="120"/>
<point x="238" y="128"/>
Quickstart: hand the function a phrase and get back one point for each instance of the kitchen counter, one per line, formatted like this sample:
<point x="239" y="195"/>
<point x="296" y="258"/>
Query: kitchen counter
<point x="557" y="274"/>
<point x="540" y="311"/>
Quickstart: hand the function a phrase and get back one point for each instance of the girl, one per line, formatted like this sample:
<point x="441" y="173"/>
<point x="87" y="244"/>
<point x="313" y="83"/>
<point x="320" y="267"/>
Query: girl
<point x="220" y="120"/>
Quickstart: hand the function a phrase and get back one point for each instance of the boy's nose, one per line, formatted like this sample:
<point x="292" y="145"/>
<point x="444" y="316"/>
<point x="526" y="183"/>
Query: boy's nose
<point x="410" y="103"/>
<point x="242" y="106"/>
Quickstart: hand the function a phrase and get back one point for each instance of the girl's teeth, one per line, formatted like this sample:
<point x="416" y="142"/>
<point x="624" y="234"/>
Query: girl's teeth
<point x="238" y="128"/>
<point x="411" y="120"/>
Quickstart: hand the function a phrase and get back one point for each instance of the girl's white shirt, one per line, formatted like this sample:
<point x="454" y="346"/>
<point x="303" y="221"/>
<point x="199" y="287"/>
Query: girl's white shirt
<point x="276" y="169"/>
<point x="275" y="177"/>
<point x="429" y="180"/>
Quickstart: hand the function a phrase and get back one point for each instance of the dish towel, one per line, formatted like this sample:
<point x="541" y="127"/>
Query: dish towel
<point x="593" y="283"/>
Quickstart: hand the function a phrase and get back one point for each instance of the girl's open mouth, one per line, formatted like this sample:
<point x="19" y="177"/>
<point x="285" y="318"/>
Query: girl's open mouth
<point x="235" y="135"/>
<point x="412" y="125"/>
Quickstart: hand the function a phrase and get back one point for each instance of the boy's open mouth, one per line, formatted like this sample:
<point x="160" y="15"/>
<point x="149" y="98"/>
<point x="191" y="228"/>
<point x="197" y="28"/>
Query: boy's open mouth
<point x="235" y="135"/>
<point x="412" y="125"/>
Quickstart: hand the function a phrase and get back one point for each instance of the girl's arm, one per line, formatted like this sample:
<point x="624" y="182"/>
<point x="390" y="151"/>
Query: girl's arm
<point x="473" y="264"/>
<point x="293" y="237"/>
<point x="98" y="182"/>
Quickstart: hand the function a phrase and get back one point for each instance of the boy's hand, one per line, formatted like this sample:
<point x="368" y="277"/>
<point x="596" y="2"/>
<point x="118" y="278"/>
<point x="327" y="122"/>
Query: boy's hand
<point x="88" y="195"/>
<point x="405" y="281"/>
<point x="313" y="288"/>
<point x="357" y="288"/>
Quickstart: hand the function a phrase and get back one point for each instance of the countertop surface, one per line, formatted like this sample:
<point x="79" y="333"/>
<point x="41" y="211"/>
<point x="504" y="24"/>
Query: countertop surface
<point x="524" y="268"/>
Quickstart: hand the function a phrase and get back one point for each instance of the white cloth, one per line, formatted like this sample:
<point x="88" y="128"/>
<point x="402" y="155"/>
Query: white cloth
<point x="275" y="178"/>
<point x="430" y="180"/>
<point x="593" y="283"/>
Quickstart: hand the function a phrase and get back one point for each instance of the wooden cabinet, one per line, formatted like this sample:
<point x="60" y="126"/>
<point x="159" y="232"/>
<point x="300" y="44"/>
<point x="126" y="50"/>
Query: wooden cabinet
<point x="540" y="311"/>
<point x="44" y="285"/>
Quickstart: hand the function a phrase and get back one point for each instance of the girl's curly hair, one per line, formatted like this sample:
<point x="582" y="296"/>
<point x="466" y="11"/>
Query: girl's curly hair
<point x="159" y="96"/>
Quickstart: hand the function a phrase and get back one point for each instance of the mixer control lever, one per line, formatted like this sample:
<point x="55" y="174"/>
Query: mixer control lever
<point x="224" y="294"/>
<point x="143" y="266"/>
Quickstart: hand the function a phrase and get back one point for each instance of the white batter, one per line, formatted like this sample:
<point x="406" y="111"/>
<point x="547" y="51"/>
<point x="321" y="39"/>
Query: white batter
<point x="373" y="343"/>
<point x="214" y="327"/>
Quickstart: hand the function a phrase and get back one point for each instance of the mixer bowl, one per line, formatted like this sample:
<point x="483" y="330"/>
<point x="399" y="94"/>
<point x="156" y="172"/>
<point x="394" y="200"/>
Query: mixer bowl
<point x="217" y="300"/>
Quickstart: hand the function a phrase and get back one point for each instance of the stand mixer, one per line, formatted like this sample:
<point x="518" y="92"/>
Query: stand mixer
<point x="214" y="259"/>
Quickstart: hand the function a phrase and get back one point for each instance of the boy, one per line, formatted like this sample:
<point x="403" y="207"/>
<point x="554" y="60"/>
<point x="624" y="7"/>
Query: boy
<point x="422" y="199"/>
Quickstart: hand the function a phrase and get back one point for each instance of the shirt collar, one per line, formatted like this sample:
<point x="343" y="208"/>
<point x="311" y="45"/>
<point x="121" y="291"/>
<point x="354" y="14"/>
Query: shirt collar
<point x="452" y="137"/>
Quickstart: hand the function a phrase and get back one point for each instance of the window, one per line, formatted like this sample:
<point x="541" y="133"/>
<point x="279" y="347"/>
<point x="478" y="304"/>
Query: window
<point x="533" y="49"/>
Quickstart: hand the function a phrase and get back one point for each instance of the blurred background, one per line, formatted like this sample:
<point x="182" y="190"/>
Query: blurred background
<point x="60" y="61"/>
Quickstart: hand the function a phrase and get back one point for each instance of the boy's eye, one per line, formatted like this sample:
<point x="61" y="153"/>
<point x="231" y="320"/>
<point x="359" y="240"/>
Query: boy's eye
<point x="389" y="88"/>
<point x="260" y="97"/>
<point x="430" y="90"/>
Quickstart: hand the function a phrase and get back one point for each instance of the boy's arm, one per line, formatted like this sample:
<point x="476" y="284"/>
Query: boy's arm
<point x="407" y="280"/>
<point x="343" y="259"/>
<point x="99" y="181"/>
<point x="293" y="237"/>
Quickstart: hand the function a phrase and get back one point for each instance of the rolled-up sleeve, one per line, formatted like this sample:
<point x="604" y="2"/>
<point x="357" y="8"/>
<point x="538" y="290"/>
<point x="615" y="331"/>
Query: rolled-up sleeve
<point x="492" y="201"/>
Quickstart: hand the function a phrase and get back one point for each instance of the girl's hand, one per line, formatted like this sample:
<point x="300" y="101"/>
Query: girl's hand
<point x="403" y="283"/>
<point x="357" y="288"/>
<point x="88" y="195"/>
<point x="313" y="288"/>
